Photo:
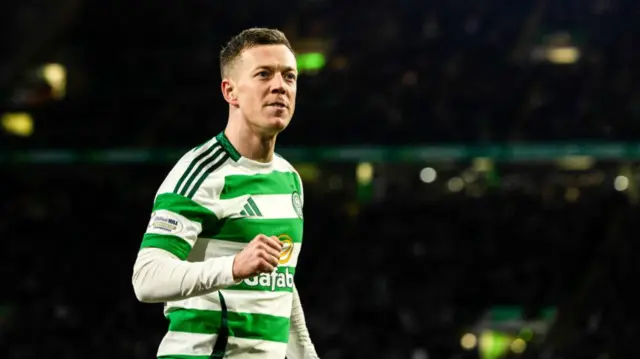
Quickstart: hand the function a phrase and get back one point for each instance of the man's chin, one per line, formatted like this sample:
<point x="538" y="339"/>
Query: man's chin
<point x="276" y="124"/>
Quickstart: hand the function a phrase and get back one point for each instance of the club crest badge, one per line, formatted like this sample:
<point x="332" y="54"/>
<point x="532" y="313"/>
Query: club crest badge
<point x="297" y="204"/>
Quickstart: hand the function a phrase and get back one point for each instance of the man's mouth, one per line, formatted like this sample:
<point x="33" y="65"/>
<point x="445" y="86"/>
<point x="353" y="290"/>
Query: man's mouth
<point x="278" y="104"/>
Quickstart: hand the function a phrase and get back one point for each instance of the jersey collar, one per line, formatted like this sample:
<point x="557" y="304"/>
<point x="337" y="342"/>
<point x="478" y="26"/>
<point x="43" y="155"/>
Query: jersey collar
<point x="228" y="147"/>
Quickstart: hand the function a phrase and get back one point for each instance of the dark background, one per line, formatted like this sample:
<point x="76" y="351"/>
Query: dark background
<point x="524" y="222"/>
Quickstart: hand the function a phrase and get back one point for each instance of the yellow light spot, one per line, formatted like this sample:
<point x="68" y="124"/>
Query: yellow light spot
<point x="468" y="341"/>
<point x="20" y="123"/>
<point x="364" y="172"/>
<point x="56" y="77"/>
<point x="518" y="346"/>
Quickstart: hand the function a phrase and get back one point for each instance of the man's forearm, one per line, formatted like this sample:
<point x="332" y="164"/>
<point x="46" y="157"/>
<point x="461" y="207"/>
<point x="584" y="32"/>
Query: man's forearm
<point x="300" y="345"/>
<point x="159" y="276"/>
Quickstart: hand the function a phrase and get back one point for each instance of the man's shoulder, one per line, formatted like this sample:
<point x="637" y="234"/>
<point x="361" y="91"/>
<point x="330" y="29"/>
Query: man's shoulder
<point x="202" y="149"/>
<point x="210" y="155"/>
<point x="282" y="164"/>
<point x="196" y="165"/>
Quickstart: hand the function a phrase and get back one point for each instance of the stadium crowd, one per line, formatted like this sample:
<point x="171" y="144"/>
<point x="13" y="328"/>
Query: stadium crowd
<point x="410" y="72"/>
<point x="399" y="278"/>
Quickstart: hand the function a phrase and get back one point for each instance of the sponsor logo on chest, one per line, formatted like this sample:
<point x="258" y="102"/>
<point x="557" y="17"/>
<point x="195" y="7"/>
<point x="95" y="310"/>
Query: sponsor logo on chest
<point x="272" y="281"/>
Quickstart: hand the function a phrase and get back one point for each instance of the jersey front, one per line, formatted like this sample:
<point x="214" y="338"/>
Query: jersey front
<point x="212" y="204"/>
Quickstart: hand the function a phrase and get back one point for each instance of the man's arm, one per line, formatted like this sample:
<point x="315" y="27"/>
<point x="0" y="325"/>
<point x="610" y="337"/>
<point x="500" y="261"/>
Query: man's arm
<point x="300" y="345"/>
<point x="161" y="272"/>
<point x="159" y="276"/>
<point x="186" y="204"/>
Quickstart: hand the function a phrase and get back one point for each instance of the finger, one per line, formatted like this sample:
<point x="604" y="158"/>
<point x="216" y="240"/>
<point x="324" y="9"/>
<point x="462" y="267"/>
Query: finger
<point x="268" y="247"/>
<point x="276" y="239"/>
<point x="272" y="253"/>
<point x="271" y="259"/>
<point x="266" y="267"/>
<point x="275" y="243"/>
<point x="261" y="238"/>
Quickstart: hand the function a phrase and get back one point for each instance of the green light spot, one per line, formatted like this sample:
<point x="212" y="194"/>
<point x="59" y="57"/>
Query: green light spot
<point x="311" y="61"/>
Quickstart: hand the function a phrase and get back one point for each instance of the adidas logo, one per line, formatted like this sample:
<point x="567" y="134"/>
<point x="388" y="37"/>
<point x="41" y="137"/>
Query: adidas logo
<point x="250" y="209"/>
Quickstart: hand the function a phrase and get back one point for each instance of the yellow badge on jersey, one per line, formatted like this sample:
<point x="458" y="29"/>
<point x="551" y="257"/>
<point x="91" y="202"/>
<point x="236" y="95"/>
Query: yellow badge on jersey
<point x="287" y="248"/>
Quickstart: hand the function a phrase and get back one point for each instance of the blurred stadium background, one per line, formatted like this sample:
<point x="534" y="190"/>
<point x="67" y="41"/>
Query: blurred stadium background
<point x="471" y="170"/>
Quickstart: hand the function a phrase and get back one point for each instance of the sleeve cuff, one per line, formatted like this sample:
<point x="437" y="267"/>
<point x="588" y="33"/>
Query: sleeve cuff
<point x="223" y="266"/>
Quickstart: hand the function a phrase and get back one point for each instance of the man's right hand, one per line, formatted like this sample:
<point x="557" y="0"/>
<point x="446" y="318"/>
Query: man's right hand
<point x="261" y="255"/>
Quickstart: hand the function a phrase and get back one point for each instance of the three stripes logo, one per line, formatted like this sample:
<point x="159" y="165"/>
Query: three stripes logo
<point x="250" y="209"/>
<point x="199" y="169"/>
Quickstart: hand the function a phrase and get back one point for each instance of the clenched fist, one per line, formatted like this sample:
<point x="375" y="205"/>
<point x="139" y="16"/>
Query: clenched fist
<point x="261" y="255"/>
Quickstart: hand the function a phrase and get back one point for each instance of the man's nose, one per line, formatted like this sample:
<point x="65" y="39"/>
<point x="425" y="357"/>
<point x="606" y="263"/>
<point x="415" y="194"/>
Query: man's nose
<point x="278" y="84"/>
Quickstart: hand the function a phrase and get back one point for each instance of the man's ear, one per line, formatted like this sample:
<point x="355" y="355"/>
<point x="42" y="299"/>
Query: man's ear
<point x="229" y="92"/>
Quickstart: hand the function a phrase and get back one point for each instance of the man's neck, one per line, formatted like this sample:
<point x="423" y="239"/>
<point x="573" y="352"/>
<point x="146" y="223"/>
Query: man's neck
<point x="249" y="143"/>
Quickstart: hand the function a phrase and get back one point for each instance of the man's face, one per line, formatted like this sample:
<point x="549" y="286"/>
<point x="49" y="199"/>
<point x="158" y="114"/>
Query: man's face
<point x="265" y="86"/>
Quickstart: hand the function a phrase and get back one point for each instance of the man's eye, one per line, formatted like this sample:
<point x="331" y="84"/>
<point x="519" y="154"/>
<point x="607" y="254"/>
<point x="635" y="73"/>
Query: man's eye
<point x="263" y="74"/>
<point x="291" y="77"/>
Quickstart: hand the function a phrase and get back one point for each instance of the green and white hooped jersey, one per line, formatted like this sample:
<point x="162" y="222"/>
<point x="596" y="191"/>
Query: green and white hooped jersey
<point x="212" y="203"/>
